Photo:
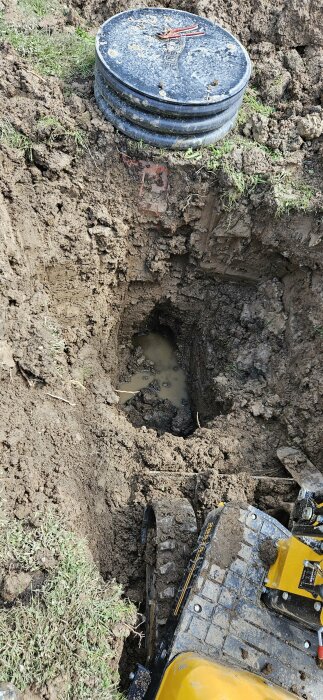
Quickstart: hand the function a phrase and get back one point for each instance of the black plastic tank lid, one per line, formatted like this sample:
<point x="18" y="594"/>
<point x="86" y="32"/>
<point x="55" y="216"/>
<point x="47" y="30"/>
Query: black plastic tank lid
<point x="173" y="56"/>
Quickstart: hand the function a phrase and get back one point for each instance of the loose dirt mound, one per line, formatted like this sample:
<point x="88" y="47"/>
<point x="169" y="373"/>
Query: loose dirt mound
<point x="99" y="236"/>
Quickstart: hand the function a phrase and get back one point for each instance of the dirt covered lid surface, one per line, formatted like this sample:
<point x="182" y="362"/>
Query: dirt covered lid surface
<point x="204" y="63"/>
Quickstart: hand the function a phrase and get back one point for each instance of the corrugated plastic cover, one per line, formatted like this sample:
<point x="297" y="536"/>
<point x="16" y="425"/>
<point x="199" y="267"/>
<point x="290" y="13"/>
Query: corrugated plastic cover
<point x="187" y="70"/>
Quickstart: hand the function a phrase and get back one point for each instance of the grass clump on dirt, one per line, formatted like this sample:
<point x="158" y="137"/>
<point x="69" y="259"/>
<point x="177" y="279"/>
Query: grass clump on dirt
<point x="252" y="105"/>
<point x="63" y="54"/>
<point x="39" y="8"/>
<point x="9" y="136"/>
<point x="211" y="156"/>
<point x="56" y="130"/>
<point x="67" y="631"/>
<point x="290" y="193"/>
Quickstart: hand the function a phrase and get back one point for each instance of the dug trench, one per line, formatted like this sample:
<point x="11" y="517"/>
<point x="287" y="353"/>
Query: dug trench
<point x="100" y="248"/>
<point x="243" y="318"/>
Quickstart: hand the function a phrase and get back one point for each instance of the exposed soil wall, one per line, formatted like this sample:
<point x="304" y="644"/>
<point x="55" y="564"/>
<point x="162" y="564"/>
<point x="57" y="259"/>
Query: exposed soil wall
<point x="94" y="241"/>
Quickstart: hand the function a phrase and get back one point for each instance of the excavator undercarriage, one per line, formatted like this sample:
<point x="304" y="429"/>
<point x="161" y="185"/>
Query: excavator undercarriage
<point x="251" y="597"/>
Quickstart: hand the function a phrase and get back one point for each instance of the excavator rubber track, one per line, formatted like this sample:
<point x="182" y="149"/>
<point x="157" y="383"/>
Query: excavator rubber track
<point x="169" y="534"/>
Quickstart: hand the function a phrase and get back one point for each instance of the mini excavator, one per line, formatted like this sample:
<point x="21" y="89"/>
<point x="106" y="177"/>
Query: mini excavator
<point x="245" y="621"/>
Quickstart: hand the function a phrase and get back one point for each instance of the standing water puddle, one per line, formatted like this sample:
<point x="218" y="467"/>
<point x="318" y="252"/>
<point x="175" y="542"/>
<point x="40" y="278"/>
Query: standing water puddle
<point x="159" y="350"/>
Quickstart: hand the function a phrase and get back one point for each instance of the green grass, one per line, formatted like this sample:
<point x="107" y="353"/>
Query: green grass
<point x="217" y="157"/>
<point x="290" y="193"/>
<point x="68" y="630"/>
<point x="247" y="144"/>
<point x="52" y="53"/>
<point x="214" y="157"/>
<point x="255" y="105"/>
<point x="211" y="156"/>
<point x="56" y="130"/>
<point x="9" y="136"/>
<point x="39" y="8"/>
<point x="217" y="153"/>
<point x="252" y="105"/>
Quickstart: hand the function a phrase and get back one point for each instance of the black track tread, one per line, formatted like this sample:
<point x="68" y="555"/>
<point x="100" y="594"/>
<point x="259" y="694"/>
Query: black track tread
<point x="173" y="541"/>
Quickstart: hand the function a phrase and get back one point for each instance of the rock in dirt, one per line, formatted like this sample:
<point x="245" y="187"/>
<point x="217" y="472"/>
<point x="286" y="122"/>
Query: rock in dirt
<point x="6" y="356"/>
<point x="51" y="160"/>
<point x="8" y="690"/>
<point x="310" y="127"/>
<point x="14" y="585"/>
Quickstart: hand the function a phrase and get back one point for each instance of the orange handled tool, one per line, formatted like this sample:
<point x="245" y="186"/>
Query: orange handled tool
<point x="178" y="32"/>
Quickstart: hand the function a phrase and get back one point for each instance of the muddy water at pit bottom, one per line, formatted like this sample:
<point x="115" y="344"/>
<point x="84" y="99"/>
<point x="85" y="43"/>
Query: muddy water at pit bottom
<point x="161" y="351"/>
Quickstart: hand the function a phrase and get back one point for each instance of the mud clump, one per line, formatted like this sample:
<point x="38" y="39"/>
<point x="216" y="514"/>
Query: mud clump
<point x="268" y="551"/>
<point x="14" y="586"/>
<point x="147" y="409"/>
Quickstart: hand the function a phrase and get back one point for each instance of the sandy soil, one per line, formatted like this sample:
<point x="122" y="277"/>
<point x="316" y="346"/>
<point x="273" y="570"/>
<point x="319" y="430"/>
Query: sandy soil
<point x="88" y="257"/>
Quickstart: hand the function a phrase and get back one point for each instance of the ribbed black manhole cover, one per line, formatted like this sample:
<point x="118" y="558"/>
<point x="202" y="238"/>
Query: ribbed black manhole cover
<point x="169" y="77"/>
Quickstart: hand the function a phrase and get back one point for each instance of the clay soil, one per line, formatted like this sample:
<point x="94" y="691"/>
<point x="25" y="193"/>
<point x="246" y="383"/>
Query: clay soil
<point x="99" y="243"/>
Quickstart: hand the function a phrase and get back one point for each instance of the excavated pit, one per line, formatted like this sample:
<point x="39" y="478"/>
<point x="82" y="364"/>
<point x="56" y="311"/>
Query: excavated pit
<point x="238" y="339"/>
<point x="176" y="351"/>
<point x="155" y="394"/>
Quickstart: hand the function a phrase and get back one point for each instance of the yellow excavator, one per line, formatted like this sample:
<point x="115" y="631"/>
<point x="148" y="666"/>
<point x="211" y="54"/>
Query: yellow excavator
<point x="245" y="622"/>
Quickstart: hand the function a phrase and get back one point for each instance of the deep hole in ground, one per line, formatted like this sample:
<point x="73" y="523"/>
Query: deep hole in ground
<point x="156" y="394"/>
<point x="166" y="368"/>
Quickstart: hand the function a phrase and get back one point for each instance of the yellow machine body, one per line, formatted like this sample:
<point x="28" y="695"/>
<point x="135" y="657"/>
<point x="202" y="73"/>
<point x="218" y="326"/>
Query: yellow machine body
<point x="286" y="572"/>
<point x="192" y="677"/>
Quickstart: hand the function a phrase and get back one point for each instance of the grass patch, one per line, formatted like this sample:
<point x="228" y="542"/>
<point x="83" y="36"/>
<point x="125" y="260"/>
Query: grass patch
<point x="217" y="153"/>
<point x="247" y="144"/>
<point x="57" y="130"/>
<point x="290" y="193"/>
<point x="216" y="157"/>
<point x="255" y="105"/>
<point x="9" y="136"/>
<point x="39" y="8"/>
<point x="52" y="53"/>
<point x="68" y="630"/>
<point x="252" y="105"/>
<point x="212" y="156"/>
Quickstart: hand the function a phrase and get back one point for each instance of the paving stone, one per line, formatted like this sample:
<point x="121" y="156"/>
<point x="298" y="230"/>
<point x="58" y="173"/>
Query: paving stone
<point x="246" y="656"/>
<point x="256" y="574"/>
<point x="239" y="567"/>
<point x="245" y="552"/>
<point x="233" y="581"/>
<point x="250" y="591"/>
